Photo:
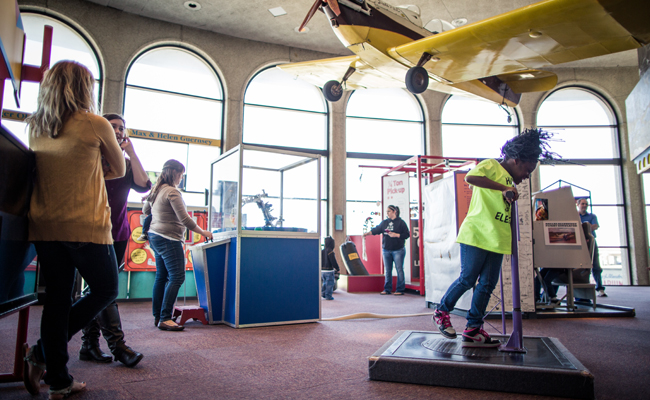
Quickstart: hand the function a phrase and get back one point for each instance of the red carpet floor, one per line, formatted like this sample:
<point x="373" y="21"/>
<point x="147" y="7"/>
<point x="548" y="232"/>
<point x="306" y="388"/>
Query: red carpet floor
<point x="328" y="360"/>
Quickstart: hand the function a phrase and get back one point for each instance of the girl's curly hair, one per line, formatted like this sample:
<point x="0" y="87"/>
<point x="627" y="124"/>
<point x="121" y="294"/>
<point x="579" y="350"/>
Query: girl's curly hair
<point x="531" y="145"/>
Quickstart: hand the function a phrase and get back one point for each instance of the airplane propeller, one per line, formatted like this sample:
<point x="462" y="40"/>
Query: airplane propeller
<point x="333" y="5"/>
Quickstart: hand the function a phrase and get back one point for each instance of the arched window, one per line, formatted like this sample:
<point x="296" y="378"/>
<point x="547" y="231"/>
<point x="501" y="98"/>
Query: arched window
<point x="287" y="113"/>
<point x="383" y="128"/>
<point x="172" y="91"/>
<point x="476" y="128"/>
<point x="67" y="44"/>
<point x="587" y="134"/>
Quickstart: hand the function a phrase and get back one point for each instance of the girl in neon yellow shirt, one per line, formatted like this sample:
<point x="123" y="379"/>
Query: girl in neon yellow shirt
<point x="485" y="236"/>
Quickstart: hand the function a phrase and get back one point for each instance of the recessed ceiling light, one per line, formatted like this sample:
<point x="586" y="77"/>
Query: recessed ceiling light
<point x="304" y="30"/>
<point x="459" y="22"/>
<point x="192" y="5"/>
<point x="277" y="11"/>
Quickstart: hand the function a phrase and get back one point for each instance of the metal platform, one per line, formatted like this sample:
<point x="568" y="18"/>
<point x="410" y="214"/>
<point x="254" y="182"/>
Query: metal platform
<point x="427" y="358"/>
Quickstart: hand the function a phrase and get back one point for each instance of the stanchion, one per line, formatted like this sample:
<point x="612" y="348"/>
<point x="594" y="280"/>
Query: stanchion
<point x="516" y="341"/>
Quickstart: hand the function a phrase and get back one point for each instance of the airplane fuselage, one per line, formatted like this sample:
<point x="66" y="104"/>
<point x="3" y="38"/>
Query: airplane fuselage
<point x="371" y="31"/>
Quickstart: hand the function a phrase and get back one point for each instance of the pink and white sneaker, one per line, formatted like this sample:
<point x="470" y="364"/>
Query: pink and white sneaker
<point x="441" y="320"/>
<point x="477" y="337"/>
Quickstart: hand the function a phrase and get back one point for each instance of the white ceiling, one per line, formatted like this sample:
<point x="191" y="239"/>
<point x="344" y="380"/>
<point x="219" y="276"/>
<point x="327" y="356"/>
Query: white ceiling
<point x="251" y="19"/>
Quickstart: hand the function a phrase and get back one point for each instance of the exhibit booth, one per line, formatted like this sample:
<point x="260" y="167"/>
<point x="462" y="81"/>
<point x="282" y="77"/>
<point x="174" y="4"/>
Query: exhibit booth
<point x="263" y="264"/>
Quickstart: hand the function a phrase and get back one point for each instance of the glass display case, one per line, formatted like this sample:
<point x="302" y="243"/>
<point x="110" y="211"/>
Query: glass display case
<point x="259" y="189"/>
<point x="263" y="265"/>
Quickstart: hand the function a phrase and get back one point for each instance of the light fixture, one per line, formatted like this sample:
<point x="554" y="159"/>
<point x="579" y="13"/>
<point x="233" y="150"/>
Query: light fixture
<point x="192" y="5"/>
<point x="534" y="34"/>
<point x="277" y="11"/>
<point x="459" y="22"/>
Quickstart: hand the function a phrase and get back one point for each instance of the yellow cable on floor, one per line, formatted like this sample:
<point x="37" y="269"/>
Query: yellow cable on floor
<point x="372" y="315"/>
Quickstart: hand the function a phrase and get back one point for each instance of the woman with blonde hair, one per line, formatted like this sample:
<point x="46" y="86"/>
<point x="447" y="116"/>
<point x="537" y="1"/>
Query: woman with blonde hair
<point x="166" y="234"/>
<point x="69" y="218"/>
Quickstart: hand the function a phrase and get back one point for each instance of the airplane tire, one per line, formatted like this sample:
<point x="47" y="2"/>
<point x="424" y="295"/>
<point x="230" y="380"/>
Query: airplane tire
<point x="332" y="91"/>
<point x="417" y="80"/>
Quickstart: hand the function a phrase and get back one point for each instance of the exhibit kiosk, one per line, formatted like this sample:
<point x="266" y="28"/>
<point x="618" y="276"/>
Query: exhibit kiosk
<point x="263" y="264"/>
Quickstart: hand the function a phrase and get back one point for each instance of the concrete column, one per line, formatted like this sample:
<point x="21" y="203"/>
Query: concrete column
<point x="432" y="103"/>
<point x="528" y="119"/>
<point x="635" y="214"/>
<point x="337" y="170"/>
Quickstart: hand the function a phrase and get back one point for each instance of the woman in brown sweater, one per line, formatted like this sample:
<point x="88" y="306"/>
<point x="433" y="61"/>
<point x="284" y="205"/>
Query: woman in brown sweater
<point x="166" y="234"/>
<point x="69" y="218"/>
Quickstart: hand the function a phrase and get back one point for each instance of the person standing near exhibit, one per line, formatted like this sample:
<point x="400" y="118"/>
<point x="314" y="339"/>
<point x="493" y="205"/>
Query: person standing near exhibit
<point x="597" y="271"/>
<point x="485" y="234"/>
<point x="69" y="218"/>
<point x="395" y="232"/>
<point x="170" y="218"/>
<point x="109" y="321"/>
<point x="329" y="268"/>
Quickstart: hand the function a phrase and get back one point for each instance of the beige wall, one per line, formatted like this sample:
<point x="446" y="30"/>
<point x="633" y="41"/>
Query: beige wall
<point x="119" y="37"/>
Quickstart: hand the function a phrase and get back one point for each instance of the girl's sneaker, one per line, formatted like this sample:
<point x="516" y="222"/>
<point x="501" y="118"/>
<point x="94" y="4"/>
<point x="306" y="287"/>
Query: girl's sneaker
<point x="441" y="320"/>
<point x="477" y="337"/>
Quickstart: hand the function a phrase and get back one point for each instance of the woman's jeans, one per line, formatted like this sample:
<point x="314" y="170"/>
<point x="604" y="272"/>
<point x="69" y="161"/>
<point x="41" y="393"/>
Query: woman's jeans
<point x="327" y="287"/>
<point x="170" y="274"/>
<point x="61" y="319"/>
<point x="396" y="256"/>
<point x="475" y="263"/>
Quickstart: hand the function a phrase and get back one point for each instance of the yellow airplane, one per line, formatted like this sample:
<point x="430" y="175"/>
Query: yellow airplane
<point x="496" y="59"/>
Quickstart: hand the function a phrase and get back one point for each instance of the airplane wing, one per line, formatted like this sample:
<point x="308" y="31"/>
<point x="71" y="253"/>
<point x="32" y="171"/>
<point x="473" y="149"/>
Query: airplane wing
<point x="541" y="35"/>
<point x="318" y="72"/>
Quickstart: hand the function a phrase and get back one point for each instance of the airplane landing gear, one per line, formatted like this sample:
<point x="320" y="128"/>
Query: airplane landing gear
<point x="417" y="80"/>
<point x="333" y="90"/>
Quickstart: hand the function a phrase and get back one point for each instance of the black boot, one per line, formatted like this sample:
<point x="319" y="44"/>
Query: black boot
<point x="90" y="350"/>
<point x="111" y="325"/>
<point x="127" y="355"/>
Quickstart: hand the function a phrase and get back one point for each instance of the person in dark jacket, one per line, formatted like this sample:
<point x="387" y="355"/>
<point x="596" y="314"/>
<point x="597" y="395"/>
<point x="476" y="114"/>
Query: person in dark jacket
<point x="395" y="232"/>
<point x="329" y="269"/>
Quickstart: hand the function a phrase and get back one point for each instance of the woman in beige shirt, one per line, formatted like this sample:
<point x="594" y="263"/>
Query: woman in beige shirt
<point x="69" y="218"/>
<point x="166" y="234"/>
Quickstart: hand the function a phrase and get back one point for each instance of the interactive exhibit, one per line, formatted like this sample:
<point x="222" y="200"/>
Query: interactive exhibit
<point x="362" y="255"/>
<point x="533" y="365"/>
<point x="261" y="269"/>
<point x="18" y="268"/>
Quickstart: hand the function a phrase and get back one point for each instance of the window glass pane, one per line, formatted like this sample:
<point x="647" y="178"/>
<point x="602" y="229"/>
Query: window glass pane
<point x="468" y="141"/>
<point x="153" y="154"/>
<point x="358" y="212"/>
<point x="645" y="179"/>
<point x="382" y="136"/>
<point x="465" y="110"/>
<point x="278" y="127"/>
<point x="175" y="70"/>
<point x="168" y="113"/>
<point x="602" y="180"/>
<point x="572" y="143"/>
<point x="611" y="225"/>
<point x="198" y="161"/>
<point x="384" y="104"/>
<point x="276" y="88"/>
<point x="615" y="266"/>
<point x="363" y="183"/>
<point x="67" y="44"/>
<point x="193" y="109"/>
<point x="573" y="106"/>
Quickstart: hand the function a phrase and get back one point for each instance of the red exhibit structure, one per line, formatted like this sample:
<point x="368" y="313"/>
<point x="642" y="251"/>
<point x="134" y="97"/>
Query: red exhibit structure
<point x="12" y="41"/>
<point x="426" y="169"/>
